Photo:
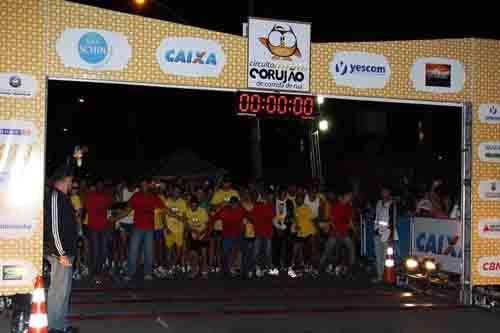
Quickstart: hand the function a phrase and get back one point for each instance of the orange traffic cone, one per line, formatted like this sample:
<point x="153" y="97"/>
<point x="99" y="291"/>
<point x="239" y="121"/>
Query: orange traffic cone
<point x="38" y="318"/>
<point x="389" y="270"/>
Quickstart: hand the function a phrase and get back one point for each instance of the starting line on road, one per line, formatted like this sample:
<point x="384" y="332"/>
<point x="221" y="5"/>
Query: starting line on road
<point x="268" y="311"/>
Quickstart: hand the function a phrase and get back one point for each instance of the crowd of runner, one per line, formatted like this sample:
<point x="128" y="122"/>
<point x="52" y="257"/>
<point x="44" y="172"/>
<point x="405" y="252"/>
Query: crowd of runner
<point x="196" y="229"/>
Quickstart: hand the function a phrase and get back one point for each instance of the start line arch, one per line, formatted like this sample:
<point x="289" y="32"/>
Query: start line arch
<point x="37" y="42"/>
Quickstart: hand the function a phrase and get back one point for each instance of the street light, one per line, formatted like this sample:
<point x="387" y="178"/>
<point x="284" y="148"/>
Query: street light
<point x="323" y="125"/>
<point x="81" y="100"/>
<point x="140" y="2"/>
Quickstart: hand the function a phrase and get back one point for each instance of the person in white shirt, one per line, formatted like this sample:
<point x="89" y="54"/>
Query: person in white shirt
<point x="385" y="229"/>
<point x="125" y="224"/>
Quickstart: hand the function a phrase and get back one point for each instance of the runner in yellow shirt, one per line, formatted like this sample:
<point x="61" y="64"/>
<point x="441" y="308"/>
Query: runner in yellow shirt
<point x="174" y="229"/>
<point x="306" y="229"/>
<point x="197" y="221"/>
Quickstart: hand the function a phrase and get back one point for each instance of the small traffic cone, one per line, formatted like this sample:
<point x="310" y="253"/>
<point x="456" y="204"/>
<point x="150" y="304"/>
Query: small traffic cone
<point x="38" y="319"/>
<point x="389" y="269"/>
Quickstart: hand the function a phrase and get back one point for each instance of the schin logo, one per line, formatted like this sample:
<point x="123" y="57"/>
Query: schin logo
<point x="93" y="48"/>
<point x="364" y="69"/>
<point x="493" y="187"/>
<point x="15" y="81"/>
<point x="493" y="110"/>
<point x="201" y="57"/>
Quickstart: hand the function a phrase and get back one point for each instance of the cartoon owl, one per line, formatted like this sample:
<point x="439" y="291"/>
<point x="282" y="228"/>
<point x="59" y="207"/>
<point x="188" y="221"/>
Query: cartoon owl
<point x="282" y="43"/>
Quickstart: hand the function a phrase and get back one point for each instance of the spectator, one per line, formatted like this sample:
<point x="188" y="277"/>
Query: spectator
<point x="60" y="248"/>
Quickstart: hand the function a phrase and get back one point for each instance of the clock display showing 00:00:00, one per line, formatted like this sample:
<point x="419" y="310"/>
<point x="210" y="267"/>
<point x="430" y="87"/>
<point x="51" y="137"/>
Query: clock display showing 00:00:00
<point x="292" y="105"/>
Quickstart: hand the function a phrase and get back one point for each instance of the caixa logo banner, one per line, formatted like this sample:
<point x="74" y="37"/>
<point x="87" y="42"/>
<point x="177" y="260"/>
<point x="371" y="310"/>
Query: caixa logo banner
<point x="194" y="57"/>
<point x="489" y="266"/>
<point x="93" y="49"/>
<point x="441" y="239"/>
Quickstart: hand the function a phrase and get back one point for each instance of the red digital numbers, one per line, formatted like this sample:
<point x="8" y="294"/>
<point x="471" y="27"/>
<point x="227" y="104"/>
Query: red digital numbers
<point x="276" y="105"/>
<point x="271" y="104"/>
<point x="255" y="103"/>
<point x="297" y="106"/>
<point x="282" y="104"/>
<point x="309" y="106"/>
<point x="244" y="104"/>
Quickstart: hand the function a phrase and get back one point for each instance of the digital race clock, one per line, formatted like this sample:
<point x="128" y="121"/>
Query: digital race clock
<point x="261" y="104"/>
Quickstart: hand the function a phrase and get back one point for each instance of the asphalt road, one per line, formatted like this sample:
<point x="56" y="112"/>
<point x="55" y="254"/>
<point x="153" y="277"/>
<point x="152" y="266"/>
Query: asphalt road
<point x="278" y="305"/>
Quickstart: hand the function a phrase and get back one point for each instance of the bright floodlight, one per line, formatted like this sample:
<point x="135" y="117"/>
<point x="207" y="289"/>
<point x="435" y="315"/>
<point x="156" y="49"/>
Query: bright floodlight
<point x="430" y="265"/>
<point x="320" y="99"/>
<point x="81" y="100"/>
<point x="323" y="125"/>
<point x="140" y="2"/>
<point x="411" y="264"/>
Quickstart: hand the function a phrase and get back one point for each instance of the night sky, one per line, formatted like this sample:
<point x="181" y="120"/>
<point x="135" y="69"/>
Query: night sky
<point x="129" y="129"/>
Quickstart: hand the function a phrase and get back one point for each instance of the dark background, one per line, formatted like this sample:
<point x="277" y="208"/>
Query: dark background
<point x="130" y="129"/>
<point x="332" y="20"/>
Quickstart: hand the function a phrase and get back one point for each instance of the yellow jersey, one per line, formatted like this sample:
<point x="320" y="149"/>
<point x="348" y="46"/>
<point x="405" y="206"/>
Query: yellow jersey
<point x="159" y="219"/>
<point x="222" y="196"/>
<point x="176" y="207"/>
<point x="76" y="202"/>
<point x="304" y="221"/>
<point x="198" y="219"/>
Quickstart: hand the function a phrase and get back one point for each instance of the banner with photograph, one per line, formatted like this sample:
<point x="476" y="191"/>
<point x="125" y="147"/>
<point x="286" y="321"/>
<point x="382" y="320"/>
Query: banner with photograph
<point x="279" y="55"/>
<point x="438" y="75"/>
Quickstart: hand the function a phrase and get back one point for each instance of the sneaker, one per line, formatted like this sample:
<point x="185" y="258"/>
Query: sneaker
<point x="148" y="277"/>
<point x="77" y="276"/>
<point x="291" y="273"/>
<point x="329" y="269"/>
<point x="274" y="272"/>
<point x="163" y="271"/>
<point x="127" y="278"/>
<point x="84" y="270"/>
<point x="157" y="273"/>
<point x="259" y="273"/>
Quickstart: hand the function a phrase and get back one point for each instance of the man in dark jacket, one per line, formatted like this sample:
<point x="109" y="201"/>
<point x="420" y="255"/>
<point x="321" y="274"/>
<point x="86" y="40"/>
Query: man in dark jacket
<point x="60" y="245"/>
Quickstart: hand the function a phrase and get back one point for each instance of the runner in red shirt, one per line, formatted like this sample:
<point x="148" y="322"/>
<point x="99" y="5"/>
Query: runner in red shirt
<point x="97" y="204"/>
<point x="232" y="218"/>
<point x="262" y="217"/>
<point x="143" y="203"/>
<point x="341" y="226"/>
